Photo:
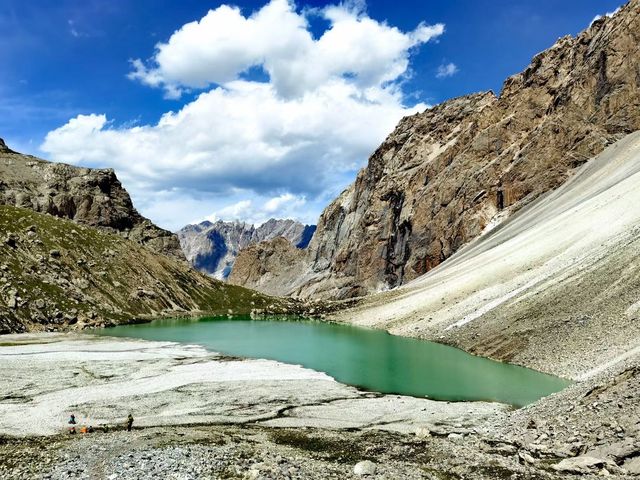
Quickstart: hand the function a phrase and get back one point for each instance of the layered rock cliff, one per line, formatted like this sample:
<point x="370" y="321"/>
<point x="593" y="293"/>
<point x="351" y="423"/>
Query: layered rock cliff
<point x="445" y="176"/>
<point x="212" y="248"/>
<point x="92" y="197"/>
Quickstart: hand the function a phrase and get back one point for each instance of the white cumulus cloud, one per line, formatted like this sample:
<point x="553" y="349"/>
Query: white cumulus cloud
<point x="223" y="44"/>
<point x="258" y="211"/>
<point x="285" y="144"/>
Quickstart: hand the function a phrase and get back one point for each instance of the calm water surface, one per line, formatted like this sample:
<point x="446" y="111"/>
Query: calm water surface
<point x="370" y="359"/>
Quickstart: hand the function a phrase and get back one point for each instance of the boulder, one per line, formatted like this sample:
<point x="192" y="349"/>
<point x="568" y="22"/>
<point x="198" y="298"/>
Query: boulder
<point x="365" y="468"/>
<point x="581" y="465"/>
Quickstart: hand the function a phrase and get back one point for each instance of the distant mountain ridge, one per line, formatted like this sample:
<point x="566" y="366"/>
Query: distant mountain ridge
<point x="212" y="247"/>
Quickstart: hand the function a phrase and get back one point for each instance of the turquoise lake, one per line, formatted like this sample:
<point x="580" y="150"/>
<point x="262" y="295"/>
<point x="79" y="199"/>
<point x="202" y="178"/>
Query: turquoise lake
<point x="369" y="359"/>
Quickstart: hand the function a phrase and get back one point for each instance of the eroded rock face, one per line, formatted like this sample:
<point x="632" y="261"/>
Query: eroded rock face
<point x="213" y="247"/>
<point x="92" y="197"/>
<point x="271" y="266"/>
<point x="445" y="175"/>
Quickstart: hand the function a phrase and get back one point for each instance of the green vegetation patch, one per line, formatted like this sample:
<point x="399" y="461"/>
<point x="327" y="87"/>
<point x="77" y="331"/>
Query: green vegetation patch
<point x="338" y="450"/>
<point x="92" y="276"/>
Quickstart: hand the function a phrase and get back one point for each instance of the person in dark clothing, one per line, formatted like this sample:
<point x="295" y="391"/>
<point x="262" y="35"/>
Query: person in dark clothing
<point x="129" y="422"/>
<point x="72" y="423"/>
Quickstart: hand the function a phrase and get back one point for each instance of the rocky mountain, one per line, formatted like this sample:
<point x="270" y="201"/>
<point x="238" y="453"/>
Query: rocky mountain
<point x="270" y="266"/>
<point x="56" y="274"/>
<point x="213" y="247"/>
<point x="445" y="176"/>
<point x="555" y="287"/>
<point x="92" y="197"/>
<point x="74" y="252"/>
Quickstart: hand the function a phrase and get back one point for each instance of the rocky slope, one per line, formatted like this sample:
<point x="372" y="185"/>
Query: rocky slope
<point x="445" y="175"/>
<point x="212" y="248"/>
<point x="92" y="197"/>
<point x="273" y="267"/>
<point x="555" y="287"/>
<point x="55" y="274"/>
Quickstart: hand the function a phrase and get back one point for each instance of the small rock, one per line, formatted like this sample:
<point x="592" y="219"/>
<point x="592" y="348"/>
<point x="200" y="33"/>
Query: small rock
<point x="582" y="464"/>
<point x="11" y="240"/>
<point x="632" y="466"/>
<point x="366" y="467"/>
<point x="12" y="299"/>
<point x="526" y="458"/>
<point x="252" y="474"/>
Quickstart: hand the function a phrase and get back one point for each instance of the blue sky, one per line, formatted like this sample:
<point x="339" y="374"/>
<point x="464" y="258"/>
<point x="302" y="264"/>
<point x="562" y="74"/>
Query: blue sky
<point x="249" y="136"/>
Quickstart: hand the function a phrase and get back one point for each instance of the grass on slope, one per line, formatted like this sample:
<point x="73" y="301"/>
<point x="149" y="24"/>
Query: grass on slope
<point x="54" y="272"/>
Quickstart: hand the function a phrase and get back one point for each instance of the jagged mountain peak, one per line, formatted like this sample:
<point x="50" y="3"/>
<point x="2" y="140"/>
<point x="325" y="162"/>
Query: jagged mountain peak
<point x="212" y="247"/>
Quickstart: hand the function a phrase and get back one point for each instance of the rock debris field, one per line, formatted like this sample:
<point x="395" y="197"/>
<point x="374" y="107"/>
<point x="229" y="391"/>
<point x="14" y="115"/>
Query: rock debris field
<point x="203" y="415"/>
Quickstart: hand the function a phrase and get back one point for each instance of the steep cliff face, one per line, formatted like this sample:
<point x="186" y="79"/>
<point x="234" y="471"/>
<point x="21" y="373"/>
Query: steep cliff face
<point x="272" y="267"/>
<point x="212" y="248"/>
<point x="92" y="197"/>
<point x="555" y="287"/>
<point x="446" y="175"/>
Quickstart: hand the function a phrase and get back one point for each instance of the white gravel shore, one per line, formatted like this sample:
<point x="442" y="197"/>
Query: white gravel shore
<point x="46" y="377"/>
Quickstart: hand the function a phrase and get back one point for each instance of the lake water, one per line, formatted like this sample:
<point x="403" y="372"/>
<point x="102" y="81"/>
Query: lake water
<point x="370" y="359"/>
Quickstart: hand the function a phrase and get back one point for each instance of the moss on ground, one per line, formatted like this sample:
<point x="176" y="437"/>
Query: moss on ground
<point x="337" y="450"/>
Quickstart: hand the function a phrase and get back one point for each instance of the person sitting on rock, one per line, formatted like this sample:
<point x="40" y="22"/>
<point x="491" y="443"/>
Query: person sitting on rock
<point x="72" y="422"/>
<point x="129" y="422"/>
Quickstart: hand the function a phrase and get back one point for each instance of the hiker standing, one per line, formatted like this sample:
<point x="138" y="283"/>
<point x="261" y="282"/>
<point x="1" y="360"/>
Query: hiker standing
<point x="129" y="422"/>
<point x="72" y="423"/>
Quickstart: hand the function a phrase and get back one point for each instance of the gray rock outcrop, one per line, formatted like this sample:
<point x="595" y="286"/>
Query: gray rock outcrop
<point x="92" y="197"/>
